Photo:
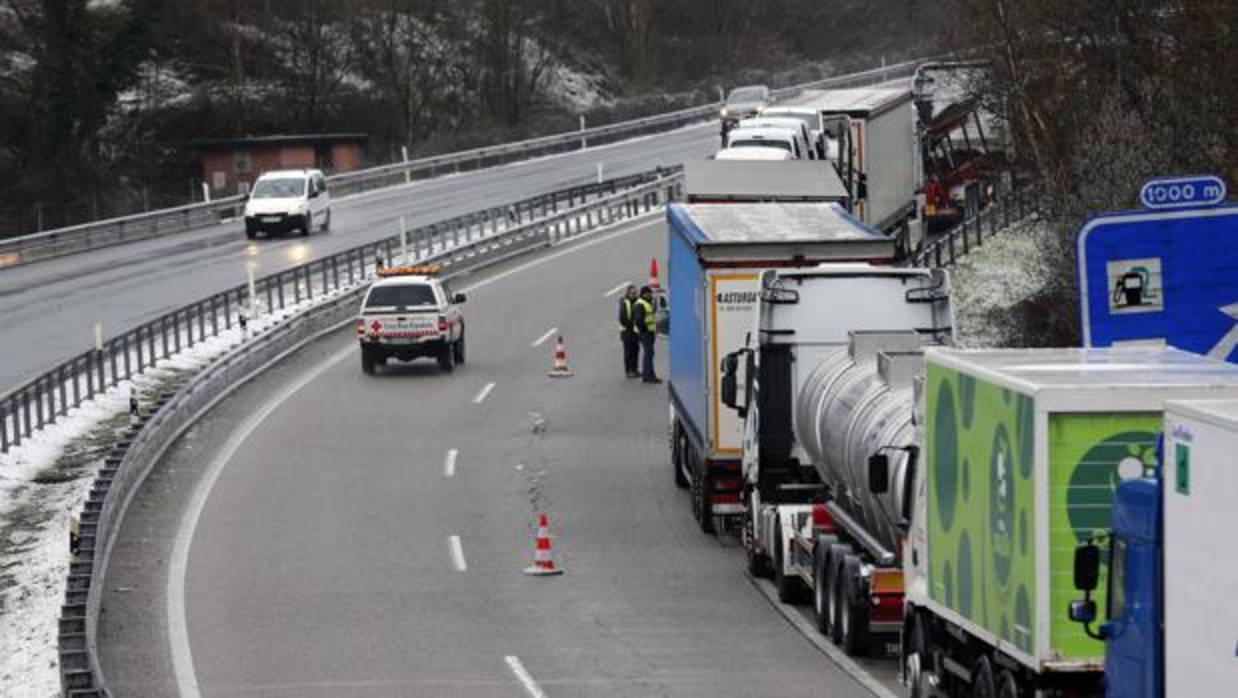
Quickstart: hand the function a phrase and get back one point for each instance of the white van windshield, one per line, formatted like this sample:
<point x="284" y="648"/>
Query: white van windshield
<point x="760" y="143"/>
<point x="282" y="188"/>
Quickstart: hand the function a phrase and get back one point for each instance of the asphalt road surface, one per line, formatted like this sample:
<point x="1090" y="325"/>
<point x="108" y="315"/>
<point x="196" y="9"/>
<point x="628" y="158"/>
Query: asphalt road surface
<point x="50" y="308"/>
<point x="366" y="535"/>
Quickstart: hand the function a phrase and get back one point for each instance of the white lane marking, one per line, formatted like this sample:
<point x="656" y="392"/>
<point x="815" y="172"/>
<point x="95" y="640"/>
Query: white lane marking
<point x="542" y="340"/>
<point x="178" y="629"/>
<point x="629" y="226"/>
<point x="484" y="392"/>
<point x="449" y="464"/>
<point x="457" y="554"/>
<point x="178" y="632"/>
<point x="616" y="289"/>
<point x="522" y="674"/>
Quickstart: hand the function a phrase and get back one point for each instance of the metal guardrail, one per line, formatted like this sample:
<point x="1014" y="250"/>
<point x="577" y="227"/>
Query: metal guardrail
<point x="47" y="398"/>
<point x="153" y="431"/>
<point x="947" y="248"/>
<point x="87" y="236"/>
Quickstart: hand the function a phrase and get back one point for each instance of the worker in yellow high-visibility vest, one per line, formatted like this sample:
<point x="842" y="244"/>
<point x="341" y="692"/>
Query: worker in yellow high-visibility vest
<point x="645" y="319"/>
<point x="627" y="331"/>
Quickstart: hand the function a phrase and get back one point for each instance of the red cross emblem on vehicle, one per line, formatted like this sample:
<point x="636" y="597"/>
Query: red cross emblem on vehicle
<point x="376" y="327"/>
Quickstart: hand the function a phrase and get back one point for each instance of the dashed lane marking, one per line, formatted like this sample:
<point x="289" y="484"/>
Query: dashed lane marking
<point x="616" y="289"/>
<point x="457" y="554"/>
<point x="523" y="676"/>
<point x="542" y="340"/>
<point x="484" y="393"/>
<point x="449" y="463"/>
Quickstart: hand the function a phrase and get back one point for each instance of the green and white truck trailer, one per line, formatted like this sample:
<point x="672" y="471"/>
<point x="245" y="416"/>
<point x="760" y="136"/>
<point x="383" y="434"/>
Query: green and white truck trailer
<point x="1021" y="453"/>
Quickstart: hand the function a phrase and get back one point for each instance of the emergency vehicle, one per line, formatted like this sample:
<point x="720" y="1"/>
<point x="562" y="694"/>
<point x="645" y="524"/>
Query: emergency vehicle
<point x="409" y="312"/>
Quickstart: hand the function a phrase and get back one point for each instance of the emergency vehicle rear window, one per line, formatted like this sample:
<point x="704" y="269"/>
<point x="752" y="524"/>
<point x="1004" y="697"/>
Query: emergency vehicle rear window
<point x="408" y="295"/>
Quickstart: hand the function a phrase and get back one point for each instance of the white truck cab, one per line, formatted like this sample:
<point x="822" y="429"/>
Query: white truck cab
<point x="767" y="137"/>
<point x="284" y="200"/>
<point x="410" y="313"/>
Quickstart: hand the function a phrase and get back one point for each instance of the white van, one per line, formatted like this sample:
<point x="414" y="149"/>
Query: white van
<point x="284" y="200"/>
<point x="767" y="137"/>
<point x="753" y="153"/>
<point x="791" y="124"/>
<point x="812" y="119"/>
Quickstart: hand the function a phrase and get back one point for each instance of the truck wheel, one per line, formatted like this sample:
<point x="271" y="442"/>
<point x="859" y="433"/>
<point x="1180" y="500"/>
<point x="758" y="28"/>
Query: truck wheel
<point x="982" y="682"/>
<point x="853" y="612"/>
<point x="915" y="655"/>
<point x="834" y="562"/>
<point x="677" y="456"/>
<point x="1007" y="686"/>
<point x="458" y="350"/>
<point x="307" y="224"/>
<point x="820" y="597"/>
<point x="701" y="508"/>
<point x="367" y="362"/>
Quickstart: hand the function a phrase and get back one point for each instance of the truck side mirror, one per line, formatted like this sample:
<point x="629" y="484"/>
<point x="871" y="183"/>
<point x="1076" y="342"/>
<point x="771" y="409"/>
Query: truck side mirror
<point x="459" y="298"/>
<point x="878" y="473"/>
<point x="1087" y="567"/>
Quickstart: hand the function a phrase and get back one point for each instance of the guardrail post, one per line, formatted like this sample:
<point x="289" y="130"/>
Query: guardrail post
<point x="90" y="375"/>
<point x="4" y="430"/>
<point x="38" y="404"/>
<point x="278" y="280"/>
<point x="215" y="316"/>
<point x="124" y="341"/>
<point x="60" y="380"/>
<point x="966" y="248"/>
<point x="201" y="307"/>
<point x="176" y="330"/>
<point x="77" y="388"/>
<point x="163" y="333"/>
<point x="25" y="410"/>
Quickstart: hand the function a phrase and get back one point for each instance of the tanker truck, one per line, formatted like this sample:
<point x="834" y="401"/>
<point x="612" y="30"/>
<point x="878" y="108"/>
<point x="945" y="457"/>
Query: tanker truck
<point x="834" y="347"/>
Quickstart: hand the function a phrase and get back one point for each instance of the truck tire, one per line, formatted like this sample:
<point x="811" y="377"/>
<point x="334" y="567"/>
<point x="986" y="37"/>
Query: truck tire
<point x="983" y="685"/>
<point x="1007" y="686"/>
<point x="820" y="596"/>
<point x="458" y="349"/>
<point x="701" y="508"/>
<point x="307" y="224"/>
<point x="915" y="658"/>
<point x="834" y="560"/>
<point x="678" y="450"/>
<point x="367" y="362"/>
<point x="447" y="358"/>
<point x="853" y="612"/>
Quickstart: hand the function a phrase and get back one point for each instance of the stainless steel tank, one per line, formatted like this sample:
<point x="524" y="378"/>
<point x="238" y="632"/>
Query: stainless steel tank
<point x="856" y="400"/>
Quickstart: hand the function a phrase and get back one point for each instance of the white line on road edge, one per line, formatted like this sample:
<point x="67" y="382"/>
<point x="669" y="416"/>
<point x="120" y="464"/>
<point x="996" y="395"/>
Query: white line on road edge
<point x="616" y="289"/>
<point x="484" y="392"/>
<point x="178" y="630"/>
<point x="522" y="674"/>
<point x="542" y="340"/>
<point x="449" y="464"/>
<point x="847" y="664"/>
<point x="457" y="553"/>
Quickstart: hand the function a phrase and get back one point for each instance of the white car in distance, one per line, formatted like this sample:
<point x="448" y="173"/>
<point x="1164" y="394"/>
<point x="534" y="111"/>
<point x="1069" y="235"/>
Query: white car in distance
<point x="285" y="200"/>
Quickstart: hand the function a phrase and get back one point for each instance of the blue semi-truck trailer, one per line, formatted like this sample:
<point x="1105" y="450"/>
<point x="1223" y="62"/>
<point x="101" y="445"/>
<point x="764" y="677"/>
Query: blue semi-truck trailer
<point x="1171" y="619"/>
<point x="717" y="252"/>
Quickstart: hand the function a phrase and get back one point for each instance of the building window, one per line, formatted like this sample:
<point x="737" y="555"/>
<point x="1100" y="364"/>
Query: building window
<point x="240" y="161"/>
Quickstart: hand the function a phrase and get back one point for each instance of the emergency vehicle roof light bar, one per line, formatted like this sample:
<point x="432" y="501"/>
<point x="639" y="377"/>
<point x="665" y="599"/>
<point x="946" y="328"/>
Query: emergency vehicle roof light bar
<point x="412" y="270"/>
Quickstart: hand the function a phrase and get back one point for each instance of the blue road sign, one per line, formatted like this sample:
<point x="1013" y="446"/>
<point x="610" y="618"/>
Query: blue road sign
<point x="1158" y="277"/>
<point x="1182" y="192"/>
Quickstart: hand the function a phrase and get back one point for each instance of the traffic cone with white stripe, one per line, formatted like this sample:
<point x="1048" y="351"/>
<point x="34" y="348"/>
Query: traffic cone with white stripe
<point x="653" y="276"/>
<point x="560" y="369"/>
<point x="543" y="563"/>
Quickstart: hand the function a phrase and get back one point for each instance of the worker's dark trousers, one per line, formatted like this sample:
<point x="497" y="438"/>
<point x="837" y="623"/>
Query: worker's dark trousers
<point x="646" y="342"/>
<point x="631" y="351"/>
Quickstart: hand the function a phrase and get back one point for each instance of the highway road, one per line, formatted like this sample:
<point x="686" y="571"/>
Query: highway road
<point x="50" y="308"/>
<point x="327" y="533"/>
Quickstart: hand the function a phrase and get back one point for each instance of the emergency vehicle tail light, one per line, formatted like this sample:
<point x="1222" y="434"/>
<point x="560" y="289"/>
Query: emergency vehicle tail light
<point x="821" y="519"/>
<point x="361" y="328"/>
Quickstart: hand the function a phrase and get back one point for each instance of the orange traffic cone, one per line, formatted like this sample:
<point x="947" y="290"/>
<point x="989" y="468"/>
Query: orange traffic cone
<point x="653" y="276"/>
<point x="560" y="369"/>
<point x="543" y="564"/>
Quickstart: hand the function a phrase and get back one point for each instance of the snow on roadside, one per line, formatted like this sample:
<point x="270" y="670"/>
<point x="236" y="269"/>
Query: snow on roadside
<point x="1007" y="269"/>
<point x="44" y="481"/>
